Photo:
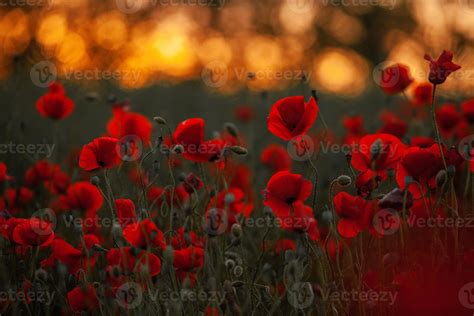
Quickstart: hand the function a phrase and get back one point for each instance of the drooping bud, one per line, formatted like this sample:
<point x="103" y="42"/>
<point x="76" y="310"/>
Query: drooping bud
<point x="178" y="149"/>
<point x="236" y="231"/>
<point x="441" y="178"/>
<point x="95" y="181"/>
<point x="159" y="120"/>
<point x="238" y="150"/>
<point x="232" y="129"/>
<point x="395" y="200"/>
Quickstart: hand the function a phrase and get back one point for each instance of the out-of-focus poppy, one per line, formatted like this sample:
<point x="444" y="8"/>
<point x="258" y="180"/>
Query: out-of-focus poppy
<point x="447" y="118"/>
<point x="467" y="109"/>
<point x="353" y="212"/>
<point x="395" y="79"/>
<point x="244" y="113"/>
<point x="291" y="117"/>
<point x="192" y="183"/>
<point x="276" y="157"/>
<point x="184" y="239"/>
<point x="422" y="94"/>
<point x="55" y="104"/>
<point x="3" y="173"/>
<point x="82" y="196"/>
<point x="422" y="141"/>
<point x="392" y="124"/>
<point x="131" y="260"/>
<point x="125" y="212"/>
<point x="18" y="199"/>
<point x="29" y="232"/>
<point x="83" y="299"/>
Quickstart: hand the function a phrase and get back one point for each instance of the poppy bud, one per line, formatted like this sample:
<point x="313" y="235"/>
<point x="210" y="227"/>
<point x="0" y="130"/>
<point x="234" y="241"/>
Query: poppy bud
<point x="238" y="271"/>
<point x="168" y="254"/>
<point x="391" y="259"/>
<point x="451" y="171"/>
<point x="232" y="129"/>
<point x="395" y="199"/>
<point x="376" y="149"/>
<point x="238" y="150"/>
<point x="116" y="271"/>
<point x="229" y="198"/>
<point x="41" y="274"/>
<point x="159" y="120"/>
<point x="61" y="269"/>
<point x="441" y="178"/>
<point x="344" y="181"/>
<point x="267" y="211"/>
<point x="289" y="255"/>
<point x="327" y="217"/>
<point x="95" y="181"/>
<point x="236" y="231"/>
<point x="230" y="264"/>
<point x="408" y="180"/>
<point x="116" y="231"/>
<point x="134" y="251"/>
<point x="178" y="149"/>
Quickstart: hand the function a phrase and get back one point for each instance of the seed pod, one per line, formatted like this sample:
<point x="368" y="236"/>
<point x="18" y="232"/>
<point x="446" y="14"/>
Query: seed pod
<point x="441" y="178"/>
<point x="41" y="275"/>
<point x="344" y="180"/>
<point x="229" y="198"/>
<point x="95" y="181"/>
<point x="178" y="149"/>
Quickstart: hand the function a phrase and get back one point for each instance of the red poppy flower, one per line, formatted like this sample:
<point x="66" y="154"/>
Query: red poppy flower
<point x="190" y="134"/>
<point x="182" y="239"/>
<point x="83" y="299"/>
<point x="422" y="94"/>
<point x="83" y="196"/>
<point x="291" y="117"/>
<point x="421" y="164"/>
<point x="18" y="199"/>
<point x="447" y="117"/>
<point x="133" y="260"/>
<point x="282" y="245"/>
<point x="422" y="141"/>
<point x="283" y="190"/>
<point x="144" y="234"/>
<point x="55" y="104"/>
<point x="392" y="124"/>
<point x="377" y="152"/>
<point x="124" y="123"/>
<point x="440" y="69"/>
<point x="244" y="113"/>
<point x="300" y="219"/>
<point x="3" y="173"/>
<point x="192" y="183"/>
<point x="125" y="212"/>
<point x="29" y="232"/>
<point x="276" y="157"/>
<point x="354" y="125"/>
<point x="367" y="181"/>
<point x="178" y="196"/>
<point x="234" y="200"/>
<point x="188" y="259"/>
<point x="467" y="109"/>
<point x="73" y="258"/>
<point x="354" y="214"/>
<point x="395" y="79"/>
<point x="102" y="152"/>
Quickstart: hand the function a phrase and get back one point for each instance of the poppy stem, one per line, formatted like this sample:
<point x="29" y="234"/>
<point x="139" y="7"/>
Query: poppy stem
<point x="435" y="127"/>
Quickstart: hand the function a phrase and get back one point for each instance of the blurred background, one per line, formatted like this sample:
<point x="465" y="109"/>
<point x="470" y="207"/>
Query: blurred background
<point x="187" y="58"/>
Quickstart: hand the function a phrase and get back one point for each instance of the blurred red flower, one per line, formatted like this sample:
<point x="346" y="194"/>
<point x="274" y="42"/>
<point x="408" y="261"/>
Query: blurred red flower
<point x="83" y="299"/>
<point x="131" y="260"/>
<point x="354" y="214"/>
<point x="422" y="94"/>
<point x="276" y="157"/>
<point x="28" y="232"/>
<point x="395" y="79"/>
<point x="55" y="104"/>
<point x="125" y="212"/>
<point x="192" y="183"/>
<point x="440" y="69"/>
<point x="291" y="117"/>
<point x="392" y="124"/>
<point x="3" y="172"/>
<point x="447" y="118"/>
<point x="82" y="196"/>
<point x="244" y="113"/>
<point x="467" y="109"/>
<point x="102" y="152"/>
